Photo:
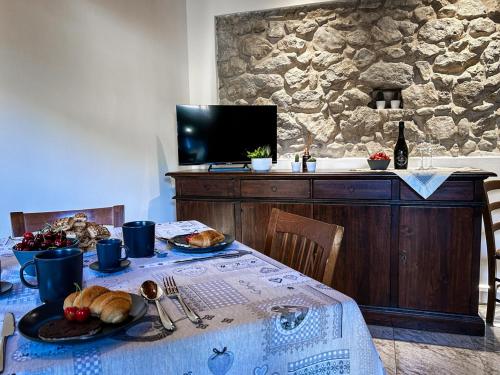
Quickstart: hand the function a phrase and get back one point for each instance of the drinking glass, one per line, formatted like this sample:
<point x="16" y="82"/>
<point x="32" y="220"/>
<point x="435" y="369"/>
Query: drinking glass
<point x="433" y="145"/>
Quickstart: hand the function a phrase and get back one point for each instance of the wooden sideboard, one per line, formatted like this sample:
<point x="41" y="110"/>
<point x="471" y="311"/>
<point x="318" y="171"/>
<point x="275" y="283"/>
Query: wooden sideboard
<point x="408" y="262"/>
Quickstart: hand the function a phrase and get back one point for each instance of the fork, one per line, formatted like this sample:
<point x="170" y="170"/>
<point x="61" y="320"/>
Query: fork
<point x="173" y="292"/>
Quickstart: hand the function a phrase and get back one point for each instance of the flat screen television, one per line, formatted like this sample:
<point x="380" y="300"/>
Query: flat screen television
<point x="222" y="134"/>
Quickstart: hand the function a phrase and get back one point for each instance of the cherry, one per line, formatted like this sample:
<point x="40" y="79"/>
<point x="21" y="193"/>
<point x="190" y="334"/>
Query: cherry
<point x="82" y="314"/>
<point x="28" y="236"/>
<point x="70" y="313"/>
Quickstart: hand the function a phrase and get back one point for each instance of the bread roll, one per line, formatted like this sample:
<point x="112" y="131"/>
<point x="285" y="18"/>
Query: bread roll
<point x="68" y="302"/>
<point x="100" y="302"/>
<point x="205" y="238"/>
<point x="115" y="311"/>
<point x="88" y="295"/>
<point x="110" y="306"/>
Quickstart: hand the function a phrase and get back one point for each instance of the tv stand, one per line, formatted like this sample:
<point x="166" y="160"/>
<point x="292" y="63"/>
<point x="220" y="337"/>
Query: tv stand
<point x="230" y="168"/>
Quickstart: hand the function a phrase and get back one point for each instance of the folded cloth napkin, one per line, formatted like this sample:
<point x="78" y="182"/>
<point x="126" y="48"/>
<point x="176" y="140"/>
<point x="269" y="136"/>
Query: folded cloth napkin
<point x="426" y="181"/>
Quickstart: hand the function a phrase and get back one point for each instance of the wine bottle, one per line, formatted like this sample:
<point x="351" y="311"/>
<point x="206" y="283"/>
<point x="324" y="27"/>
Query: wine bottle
<point x="305" y="158"/>
<point x="401" y="149"/>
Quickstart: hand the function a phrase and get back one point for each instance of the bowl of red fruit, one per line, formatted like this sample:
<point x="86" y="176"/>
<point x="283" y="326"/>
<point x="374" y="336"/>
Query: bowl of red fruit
<point x="33" y="244"/>
<point x="379" y="161"/>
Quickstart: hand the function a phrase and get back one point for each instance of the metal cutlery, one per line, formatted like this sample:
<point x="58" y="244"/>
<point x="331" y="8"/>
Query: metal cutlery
<point x="151" y="291"/>
<point x="237" y="254"/>
<point x="7" y="330"/>
<point x="173" y="292"/>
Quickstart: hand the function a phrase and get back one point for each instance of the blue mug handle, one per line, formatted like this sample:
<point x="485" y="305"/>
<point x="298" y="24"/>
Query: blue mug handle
<point x="21" y="275"/>
<point x="126" y="253"/>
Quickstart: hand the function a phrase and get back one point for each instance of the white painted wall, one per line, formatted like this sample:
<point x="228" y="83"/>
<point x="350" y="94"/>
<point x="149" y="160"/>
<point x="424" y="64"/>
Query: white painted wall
<point x="203" y="78"/>
<point x="87" y="104"/>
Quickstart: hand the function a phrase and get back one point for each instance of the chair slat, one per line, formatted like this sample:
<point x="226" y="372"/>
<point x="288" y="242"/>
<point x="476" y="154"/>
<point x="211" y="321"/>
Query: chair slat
<point x="311" y="248"/>
<point x="490" y="229"/>
<point x="27" y="222"/>
<point x="494" y="206"/>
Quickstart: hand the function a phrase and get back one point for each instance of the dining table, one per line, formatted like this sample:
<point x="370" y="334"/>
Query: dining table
<point x="258" y="317"/>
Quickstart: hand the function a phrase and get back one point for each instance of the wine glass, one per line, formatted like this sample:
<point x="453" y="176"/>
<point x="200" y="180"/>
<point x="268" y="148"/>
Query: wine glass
<point x="433" y="145"/>
<point x="422" y="147"/>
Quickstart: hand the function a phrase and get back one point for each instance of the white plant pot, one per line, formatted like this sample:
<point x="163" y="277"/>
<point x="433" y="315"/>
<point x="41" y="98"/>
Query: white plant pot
<point x="311" y="166"/>
<point x="395" y="104"/>
<point x="380" y="104"/>
<point x="262" y="164"/>
<point x="296" y="166"/>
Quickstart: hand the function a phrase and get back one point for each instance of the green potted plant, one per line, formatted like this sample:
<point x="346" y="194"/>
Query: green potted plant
<point x="296" y="163"/>
<point x="311" y="164"/>
<point x="261" y="158"/>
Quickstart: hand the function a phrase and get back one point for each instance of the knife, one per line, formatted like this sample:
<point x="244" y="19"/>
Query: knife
<point x="238" y="254"/>
<point x="7" y="330"/>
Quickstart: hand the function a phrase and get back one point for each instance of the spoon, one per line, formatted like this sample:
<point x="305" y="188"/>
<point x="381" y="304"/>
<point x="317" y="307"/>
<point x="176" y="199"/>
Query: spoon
<point x="151" y="292"/>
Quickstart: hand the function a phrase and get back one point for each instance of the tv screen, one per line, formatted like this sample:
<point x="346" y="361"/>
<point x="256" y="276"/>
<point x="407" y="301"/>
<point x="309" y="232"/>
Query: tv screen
<point x="216" y="134"/>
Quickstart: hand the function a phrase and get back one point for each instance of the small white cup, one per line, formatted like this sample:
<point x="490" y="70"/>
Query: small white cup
<point x="395" y="104"/>
<point x="380" y="104"/>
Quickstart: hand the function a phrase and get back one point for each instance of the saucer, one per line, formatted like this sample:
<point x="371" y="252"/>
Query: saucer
<point x="5" y="286"/>
<point x="123" y="264"/>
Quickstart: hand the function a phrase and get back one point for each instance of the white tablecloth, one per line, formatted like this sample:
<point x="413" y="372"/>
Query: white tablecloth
<point x="259" y="318"/>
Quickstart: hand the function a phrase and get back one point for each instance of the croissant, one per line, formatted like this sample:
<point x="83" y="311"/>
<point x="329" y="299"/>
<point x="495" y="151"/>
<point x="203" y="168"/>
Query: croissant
<point x="110" y="306"/>
<point x="206" y="238"/>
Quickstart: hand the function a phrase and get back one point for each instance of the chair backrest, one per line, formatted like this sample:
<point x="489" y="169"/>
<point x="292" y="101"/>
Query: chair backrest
<point x="27" y="222"/>
<point x="491" y="225"/>
<point x="306" y="245"/>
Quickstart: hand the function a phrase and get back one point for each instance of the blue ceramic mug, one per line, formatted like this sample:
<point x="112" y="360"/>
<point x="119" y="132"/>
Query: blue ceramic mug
<point x="139" y="237"/>
<point x="57" y="272"/>
<point x="109" y="253"/>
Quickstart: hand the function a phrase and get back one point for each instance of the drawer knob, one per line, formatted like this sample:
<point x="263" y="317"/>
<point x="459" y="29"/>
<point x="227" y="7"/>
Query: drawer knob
<point x="351" y="189"/>
<point x="274" y="189"/>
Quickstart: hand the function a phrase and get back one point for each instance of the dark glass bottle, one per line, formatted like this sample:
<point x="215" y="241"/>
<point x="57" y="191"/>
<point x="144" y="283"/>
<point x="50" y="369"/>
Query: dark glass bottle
<point x="401" y="149"/>
<point x="305" y="158"/>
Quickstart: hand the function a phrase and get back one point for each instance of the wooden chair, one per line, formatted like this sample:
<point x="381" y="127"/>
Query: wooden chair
<point x="27" y="222"/>
<point x="306" y="245"/>
<point x="491" y="227"/>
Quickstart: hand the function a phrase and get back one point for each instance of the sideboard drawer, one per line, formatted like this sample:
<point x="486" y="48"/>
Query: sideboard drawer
<point x="352" y="189"/>
<point x="448" y="191"/>
<point x="275" y="188"/>
<point x="205" y="187"/>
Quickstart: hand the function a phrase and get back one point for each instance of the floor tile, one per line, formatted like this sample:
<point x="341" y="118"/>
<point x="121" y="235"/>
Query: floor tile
<point x="491" y="362"/>
<point x="387" y="354"/>
<point x="423" y="359"/>
<point x="434" y="338"/>
<point x="490" y="342"/>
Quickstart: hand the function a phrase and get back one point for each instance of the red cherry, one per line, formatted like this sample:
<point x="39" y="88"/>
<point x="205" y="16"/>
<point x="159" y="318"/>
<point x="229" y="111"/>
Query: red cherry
<point x="82" y="314"/>
<point x="59" y="243"/>
<point x="70" y="313"/>
<point x="28" y="236"/>
<point x="69" y="242"/>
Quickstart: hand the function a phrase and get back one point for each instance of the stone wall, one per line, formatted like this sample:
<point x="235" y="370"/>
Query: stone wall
<point x="321" y="63"/>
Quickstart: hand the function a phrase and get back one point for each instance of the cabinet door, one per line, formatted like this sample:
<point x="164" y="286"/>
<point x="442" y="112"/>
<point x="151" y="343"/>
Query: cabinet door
<point x="217" y="215"/>
<point x="435" y="257"/>
<point x="363" y="267"/>
<point x="255" y="218"/>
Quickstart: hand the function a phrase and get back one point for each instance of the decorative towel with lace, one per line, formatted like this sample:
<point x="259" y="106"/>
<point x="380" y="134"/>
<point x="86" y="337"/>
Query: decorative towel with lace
<point x="426" y="181"/>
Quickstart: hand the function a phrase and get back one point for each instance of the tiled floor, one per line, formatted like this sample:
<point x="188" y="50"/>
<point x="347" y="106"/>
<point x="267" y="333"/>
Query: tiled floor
<point x="406" y="351"/>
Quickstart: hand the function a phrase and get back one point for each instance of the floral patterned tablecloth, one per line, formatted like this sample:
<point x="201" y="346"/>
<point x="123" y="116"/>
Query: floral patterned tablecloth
<point x="259" y="318"/>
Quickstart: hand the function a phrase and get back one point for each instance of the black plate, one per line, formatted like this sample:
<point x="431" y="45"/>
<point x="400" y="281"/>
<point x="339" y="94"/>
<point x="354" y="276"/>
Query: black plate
<point x="180" y="243"/>
<point x="31" y="322"/>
